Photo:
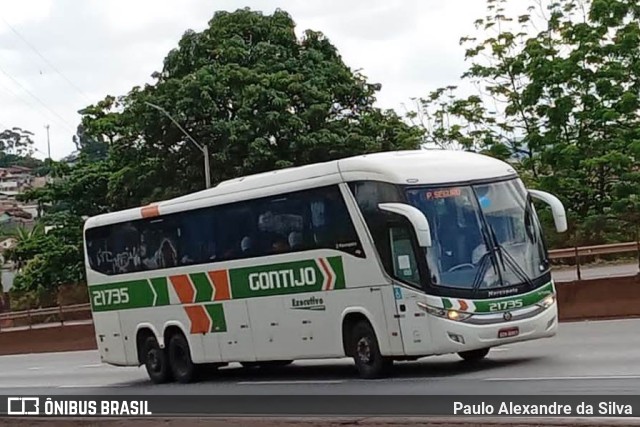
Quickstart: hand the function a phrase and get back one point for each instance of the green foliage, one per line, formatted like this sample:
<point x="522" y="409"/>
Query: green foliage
<point x="47" y="260"/>
<point x="255" y="94"/>
<point x="559" y="98"/>
<point x="16" y="141"/>
<point x="248" y="88"/>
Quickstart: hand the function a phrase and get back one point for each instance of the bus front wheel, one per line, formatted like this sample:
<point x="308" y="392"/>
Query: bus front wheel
<point x="366" y="352"/>
<point x="182" y="367"/>
<point x="155" y="361"/>
<point x="474" y="355"/>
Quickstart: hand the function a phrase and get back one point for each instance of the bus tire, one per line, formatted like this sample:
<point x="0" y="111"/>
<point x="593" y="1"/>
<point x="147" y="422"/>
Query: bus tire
<point x="366" y="352"/>
<point x="182" y="367"/>
<point x="156" y="361"/>
<point x="474" y="355"/>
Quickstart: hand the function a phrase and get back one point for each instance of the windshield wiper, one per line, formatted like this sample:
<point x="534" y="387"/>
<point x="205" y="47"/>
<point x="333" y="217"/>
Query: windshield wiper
<point x="510" y="260"/>
<point x="482" y="269"/>
<point x="496" y="245"/>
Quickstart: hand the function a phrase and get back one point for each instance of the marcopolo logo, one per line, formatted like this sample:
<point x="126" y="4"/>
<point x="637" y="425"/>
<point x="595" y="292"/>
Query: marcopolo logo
<point x="312" y="303"/>
<point x="311" y="275"/>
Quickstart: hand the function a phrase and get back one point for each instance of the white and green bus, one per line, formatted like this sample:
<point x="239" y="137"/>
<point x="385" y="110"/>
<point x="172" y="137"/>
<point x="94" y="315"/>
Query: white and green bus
<point x="381" y="257"/>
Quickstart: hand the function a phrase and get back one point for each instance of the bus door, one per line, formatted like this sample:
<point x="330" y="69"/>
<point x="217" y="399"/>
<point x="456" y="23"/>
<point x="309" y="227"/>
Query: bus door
<point x="236" y="344"/>
<point x="414" y="327"/>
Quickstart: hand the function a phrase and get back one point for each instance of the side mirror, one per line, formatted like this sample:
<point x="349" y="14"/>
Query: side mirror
<point x="416" y="218"/>
<point x="557" y="209"/>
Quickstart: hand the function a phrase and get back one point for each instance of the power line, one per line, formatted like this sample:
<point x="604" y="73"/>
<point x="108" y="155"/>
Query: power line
<point x="62" y="120"/>
<point x="86" y="98"/>
<point x="29" y="103"/>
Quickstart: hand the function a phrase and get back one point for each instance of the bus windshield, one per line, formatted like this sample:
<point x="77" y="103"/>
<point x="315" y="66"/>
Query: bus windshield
<point x="483" y="236"/>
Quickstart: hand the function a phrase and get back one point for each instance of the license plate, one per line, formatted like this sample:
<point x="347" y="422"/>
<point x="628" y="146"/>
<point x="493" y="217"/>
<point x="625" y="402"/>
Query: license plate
<point x="508" y="332"/>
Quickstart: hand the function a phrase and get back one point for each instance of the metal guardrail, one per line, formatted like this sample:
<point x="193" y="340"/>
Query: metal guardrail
<point x="31" y="315"/>
<point x="578" y="252"/>
<point x="613" y="248"/>
<point x="59" y="311"/>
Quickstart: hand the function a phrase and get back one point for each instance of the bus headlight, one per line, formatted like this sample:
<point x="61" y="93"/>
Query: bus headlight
<point x="441" y="312"/>
<point x="457" y="315"/>
<point x="547" y="301"/>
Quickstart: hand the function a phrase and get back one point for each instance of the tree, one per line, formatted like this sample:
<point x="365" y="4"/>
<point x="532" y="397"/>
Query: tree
<point x="16" y="141"/>
<point x="255" y="94"/>
<point x="47" y="260"/>
<point x="88" y="148"/>
<point x="16" y="149"/>
<point x="558" y="94"/>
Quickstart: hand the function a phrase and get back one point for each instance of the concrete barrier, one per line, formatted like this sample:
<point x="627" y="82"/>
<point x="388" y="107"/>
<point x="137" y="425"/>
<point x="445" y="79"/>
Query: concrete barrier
<point x="50" y="339"/>
<point x="607" y="298"/>
<point x="612" y="298"/>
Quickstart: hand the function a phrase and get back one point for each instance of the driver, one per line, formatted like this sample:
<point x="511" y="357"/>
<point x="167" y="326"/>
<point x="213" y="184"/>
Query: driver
<point x="478" y="253"/>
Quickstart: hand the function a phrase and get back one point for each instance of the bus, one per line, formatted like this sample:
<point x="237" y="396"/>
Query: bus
<point x="381" y="257"/>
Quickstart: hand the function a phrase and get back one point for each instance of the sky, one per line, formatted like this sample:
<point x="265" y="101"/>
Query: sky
<point x="58" y="56"/>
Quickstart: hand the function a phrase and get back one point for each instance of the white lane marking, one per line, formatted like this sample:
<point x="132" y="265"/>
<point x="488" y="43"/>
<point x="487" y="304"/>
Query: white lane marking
<point x="594" y="377"/>
<point x="291" y="382"/>
<point x="34" y="368"/>
<point x="95" y="365"/>
<point x="91" y="386"/>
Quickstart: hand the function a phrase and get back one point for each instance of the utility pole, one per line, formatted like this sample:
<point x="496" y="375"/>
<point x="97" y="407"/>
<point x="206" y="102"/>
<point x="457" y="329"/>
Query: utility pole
<point x="48" y="143"/>
<point x="203" y="148"/>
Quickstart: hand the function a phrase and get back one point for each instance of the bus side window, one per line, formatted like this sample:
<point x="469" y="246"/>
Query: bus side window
<point x="368" y="195"/>
<point x="331" y="223"/>
<point x="197" y="236"/>
<point x="405" y="265"/>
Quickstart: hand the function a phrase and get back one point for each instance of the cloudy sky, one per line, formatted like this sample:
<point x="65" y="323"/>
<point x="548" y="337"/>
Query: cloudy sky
<point x="57" y="56"/>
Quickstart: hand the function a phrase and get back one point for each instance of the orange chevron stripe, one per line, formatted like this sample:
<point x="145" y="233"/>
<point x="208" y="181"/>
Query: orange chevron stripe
<point x="200" y="322"/>
<point x="463" y="305"/>
<point x="183" y="287"/>
<point x="220" y="280"/>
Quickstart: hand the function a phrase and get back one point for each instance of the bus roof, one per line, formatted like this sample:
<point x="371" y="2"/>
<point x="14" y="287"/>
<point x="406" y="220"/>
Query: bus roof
<point x="415" y="167"/>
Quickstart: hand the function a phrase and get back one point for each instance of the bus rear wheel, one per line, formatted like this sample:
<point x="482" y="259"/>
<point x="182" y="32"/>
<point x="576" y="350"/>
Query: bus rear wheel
<point x="366" y="352"/>
<point x="182" y="367"/>
<point x="155" y="361"/>
<point x="474" y="355"/>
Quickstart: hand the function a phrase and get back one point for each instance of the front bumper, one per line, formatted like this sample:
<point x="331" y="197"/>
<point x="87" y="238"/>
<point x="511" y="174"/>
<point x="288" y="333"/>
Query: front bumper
<point x="448" y="336"/>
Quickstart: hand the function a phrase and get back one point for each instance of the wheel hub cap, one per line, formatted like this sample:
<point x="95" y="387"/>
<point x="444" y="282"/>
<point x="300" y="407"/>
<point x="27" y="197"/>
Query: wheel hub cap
<point x="364" y="350"/>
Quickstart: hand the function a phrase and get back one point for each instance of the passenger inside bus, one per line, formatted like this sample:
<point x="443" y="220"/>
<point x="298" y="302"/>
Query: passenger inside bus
<point x="280" y="245"/>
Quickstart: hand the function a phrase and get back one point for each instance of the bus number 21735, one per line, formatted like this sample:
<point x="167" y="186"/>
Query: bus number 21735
<point x="505" y="305"/>
<point x="113" y="296"/>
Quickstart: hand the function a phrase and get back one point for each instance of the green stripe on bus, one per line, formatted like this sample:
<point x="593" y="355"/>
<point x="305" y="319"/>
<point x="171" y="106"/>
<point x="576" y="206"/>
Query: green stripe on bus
<point x="204" y="290"/>
<point x="502" y="304"/>
<point x="336" y="266"/>
<point x="530" y="298"/>
<point x="309" y="275"/>
<point x="120" y="296"/>
<point x="216" y="312"/>
<point x="160" y="286"/>
<point x="285" y="278"/>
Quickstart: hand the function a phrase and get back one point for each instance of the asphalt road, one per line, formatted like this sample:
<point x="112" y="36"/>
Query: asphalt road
<point x="596" y="272"/>
<point x="584" y="358"/>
